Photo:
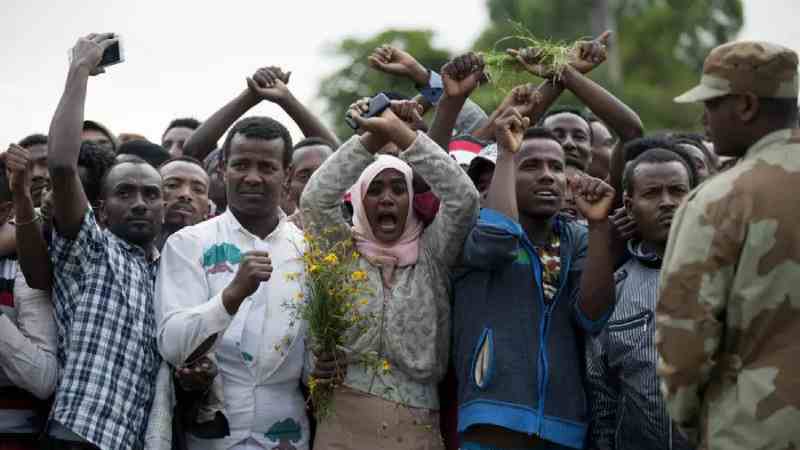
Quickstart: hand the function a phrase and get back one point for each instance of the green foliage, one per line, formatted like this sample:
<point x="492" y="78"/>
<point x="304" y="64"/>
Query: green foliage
<point x="356" y="79"/>
<point x="661" y="46"/>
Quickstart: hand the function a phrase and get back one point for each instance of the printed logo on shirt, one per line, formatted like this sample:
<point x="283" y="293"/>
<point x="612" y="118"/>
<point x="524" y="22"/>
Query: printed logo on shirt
<point x="220" y="257"/>
<point x="285" y="433"/>
<point x="523" y="257"/>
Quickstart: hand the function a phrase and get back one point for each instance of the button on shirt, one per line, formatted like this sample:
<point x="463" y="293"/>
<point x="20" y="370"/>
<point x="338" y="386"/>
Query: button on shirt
<point x="107" y="353"/>
<point x="260" y="350"/>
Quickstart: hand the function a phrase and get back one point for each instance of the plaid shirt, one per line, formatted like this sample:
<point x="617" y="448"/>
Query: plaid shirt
<point x="107" y="353"/>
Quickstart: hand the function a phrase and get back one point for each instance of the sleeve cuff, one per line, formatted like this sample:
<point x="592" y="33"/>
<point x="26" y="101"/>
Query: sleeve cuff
<point x="592" y="326"/>
<point x="492" y="218"/>
<point x="435" y="88"/>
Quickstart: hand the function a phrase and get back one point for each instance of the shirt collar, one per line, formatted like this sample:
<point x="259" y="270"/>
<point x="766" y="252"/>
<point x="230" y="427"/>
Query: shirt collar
<point x="645" y="256"/>
<point x="135" y="249"/>
<point x="234" y="223"/>
<point x="768" y="140"/>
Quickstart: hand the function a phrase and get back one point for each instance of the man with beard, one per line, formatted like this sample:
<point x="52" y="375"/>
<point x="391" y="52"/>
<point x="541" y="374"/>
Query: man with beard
<point x="36" y="144"/>
<point x="628" y="411"/>
<point x="728" y="316"/>
<point x="185" y="185"/>
<point x="221" y="287"/>
<point x="103" y="282"/>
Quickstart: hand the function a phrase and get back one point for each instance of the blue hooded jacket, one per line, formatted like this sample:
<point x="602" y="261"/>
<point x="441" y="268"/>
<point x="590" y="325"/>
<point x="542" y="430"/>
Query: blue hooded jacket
<point x="520" y="361"/>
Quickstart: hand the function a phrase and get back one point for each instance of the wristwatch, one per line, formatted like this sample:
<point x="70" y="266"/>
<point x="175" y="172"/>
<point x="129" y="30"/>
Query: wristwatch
<point x="434" y="89"/>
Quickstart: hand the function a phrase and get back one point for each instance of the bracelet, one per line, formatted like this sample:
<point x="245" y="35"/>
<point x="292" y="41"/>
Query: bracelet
<point x="36" y="218"/>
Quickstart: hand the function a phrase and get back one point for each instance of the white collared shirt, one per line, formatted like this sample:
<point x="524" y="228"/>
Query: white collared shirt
<point x="260" y="350"/>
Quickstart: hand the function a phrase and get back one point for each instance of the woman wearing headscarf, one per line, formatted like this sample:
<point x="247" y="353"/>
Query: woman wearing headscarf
<point x="407" y="267"/>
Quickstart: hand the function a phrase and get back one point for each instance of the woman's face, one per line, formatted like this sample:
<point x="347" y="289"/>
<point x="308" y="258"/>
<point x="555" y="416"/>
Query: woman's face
<point x="386" y="204"/>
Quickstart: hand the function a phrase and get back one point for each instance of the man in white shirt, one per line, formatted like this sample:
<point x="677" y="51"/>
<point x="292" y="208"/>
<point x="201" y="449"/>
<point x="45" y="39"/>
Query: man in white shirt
<point x="28" y="365"/>
<point x="221" y="289"/>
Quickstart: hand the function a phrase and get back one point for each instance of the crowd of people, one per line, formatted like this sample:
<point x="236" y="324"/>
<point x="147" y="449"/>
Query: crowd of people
<point x="542" y="277"/>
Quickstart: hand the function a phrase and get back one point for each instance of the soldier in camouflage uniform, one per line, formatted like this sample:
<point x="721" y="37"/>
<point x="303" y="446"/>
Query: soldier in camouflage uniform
<point x="728" y="318"/>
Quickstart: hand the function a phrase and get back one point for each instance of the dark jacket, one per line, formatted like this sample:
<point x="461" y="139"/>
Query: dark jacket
<point x="628" y="411"/>
<point x="520" y="361"/>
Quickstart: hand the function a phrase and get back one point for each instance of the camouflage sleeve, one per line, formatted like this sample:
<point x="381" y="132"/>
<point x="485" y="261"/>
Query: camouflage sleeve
<point x="698" y="267"/>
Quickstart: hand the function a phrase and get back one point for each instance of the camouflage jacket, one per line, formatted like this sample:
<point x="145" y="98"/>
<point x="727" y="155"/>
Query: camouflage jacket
<point x="728" y="318"/>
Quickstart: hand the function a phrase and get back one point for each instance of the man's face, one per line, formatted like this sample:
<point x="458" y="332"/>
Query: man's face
<point x="40" y="174"/>
<point x="569" y="206"/>
<point x="722" y="127"/>
<point x="658" y="189"/>
<point x="386" y="203"/>
<point x="254" y="174"/>
<point x="306" y="161"/>
<point x="174" y="139"/>
<point x="185" y="187"/>
<point x="98" y="138"/>
<point x="602" y="146"/>
<point x="574" y="135"/>
<point x="133" y="206"/>
<point x="541" y="181"/>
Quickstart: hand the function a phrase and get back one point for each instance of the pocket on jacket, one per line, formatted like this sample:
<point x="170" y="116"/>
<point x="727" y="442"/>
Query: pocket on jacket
<point x="483" y="360"/>
<point x="629" y="323"/>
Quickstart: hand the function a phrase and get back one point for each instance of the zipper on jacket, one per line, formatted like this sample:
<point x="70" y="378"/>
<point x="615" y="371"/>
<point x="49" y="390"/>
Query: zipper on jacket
<point x="545" y="327"/>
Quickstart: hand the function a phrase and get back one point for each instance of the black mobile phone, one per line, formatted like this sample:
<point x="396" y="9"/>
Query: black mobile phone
<point x="377" y="105"/>
<point x="113" y="54"/>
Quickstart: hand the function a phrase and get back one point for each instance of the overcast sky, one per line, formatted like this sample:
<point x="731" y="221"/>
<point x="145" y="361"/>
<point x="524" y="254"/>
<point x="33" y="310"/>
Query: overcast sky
<point x="188" y="58"/>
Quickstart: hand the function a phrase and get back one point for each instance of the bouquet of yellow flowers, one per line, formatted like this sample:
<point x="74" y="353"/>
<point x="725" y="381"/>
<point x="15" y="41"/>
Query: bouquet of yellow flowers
<point x="334" y="287"/>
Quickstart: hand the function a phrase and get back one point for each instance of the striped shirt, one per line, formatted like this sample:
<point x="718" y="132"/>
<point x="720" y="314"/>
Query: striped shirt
<point x="107" y="355"/>
<point x="628" y="411"/>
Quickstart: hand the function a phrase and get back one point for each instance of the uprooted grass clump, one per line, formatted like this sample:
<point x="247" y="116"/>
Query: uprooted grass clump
<point x="504" y="70"/>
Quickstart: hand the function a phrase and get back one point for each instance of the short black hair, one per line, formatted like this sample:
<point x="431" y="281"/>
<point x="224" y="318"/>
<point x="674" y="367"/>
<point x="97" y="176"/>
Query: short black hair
<point x="539" y="133"/>
<point x="309" y="141"/>
<point x="96" y="160"/>
<point x="184" y="158"/>
<point x="183" y="122"/>
<point x="696" y="140"/>
<point x="655" y="150"/>
<point x="33" y="139"/>
<point x="5" y="186"/>
<point x="567" y="109"/>
<point x="260" y="127"/>
<point x="135" y="160"/>
<point x="153" y="154"/>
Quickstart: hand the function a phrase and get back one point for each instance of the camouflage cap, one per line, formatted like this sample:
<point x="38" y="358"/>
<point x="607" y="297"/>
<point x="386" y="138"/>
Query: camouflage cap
<point x="765" y="69"/>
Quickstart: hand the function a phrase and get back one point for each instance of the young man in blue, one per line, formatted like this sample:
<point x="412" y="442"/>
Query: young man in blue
<point x="524" y="303"/>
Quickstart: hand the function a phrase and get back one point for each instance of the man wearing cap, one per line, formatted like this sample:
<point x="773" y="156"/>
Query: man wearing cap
<point x="728" y="318"/>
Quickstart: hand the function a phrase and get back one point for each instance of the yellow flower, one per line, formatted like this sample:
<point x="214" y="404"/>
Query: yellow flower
<point x="331" y="259"/>
<point x="313" y="268"/>
<point x="385" y="366"/>
<point x="359" y="275"/>
<point x="365" y="302"/>
<point x="312" y="384"/>
<point x="292" y="276"/>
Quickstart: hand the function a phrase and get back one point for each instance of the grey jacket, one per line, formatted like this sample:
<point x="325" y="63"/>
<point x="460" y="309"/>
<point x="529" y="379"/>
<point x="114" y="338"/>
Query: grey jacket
<point x="413" y="326"/>
<point x="628" y="411"/>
